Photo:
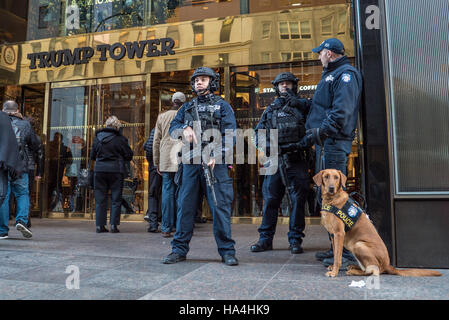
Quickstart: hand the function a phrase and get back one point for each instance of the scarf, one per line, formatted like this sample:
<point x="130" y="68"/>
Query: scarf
<point x="9" y="150"/>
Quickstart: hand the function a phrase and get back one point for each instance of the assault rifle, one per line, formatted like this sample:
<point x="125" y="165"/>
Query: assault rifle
<point x="283" y="166"/>
<point x="208" y="173"/>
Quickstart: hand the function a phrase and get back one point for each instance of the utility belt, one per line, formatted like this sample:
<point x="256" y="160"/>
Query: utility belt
<point x="349" y="214"/>
<point x="296" y="156"/>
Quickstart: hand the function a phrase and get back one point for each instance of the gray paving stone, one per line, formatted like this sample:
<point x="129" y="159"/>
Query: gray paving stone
<point x="128" y="266"/>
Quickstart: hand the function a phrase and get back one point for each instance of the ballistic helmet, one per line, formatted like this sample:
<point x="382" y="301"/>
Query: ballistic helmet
<point x="285" y="76"/>
<point x="214" y="82"/>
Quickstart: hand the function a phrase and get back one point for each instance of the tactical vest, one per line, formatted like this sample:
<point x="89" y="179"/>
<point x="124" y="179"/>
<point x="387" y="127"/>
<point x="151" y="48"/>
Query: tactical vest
<point x="209" y="113"/>
<point x="349" y="214"/>
<point x="290" y="124"/>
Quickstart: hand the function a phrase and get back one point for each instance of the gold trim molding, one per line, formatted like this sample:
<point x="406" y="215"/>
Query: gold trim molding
<point x="252" y="39"/>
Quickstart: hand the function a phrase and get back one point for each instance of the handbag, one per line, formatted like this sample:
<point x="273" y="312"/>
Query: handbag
<point x="65" y="182"/>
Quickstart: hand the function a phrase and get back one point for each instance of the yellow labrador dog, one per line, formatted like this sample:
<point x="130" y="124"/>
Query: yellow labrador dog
<point x="361" y="238"/>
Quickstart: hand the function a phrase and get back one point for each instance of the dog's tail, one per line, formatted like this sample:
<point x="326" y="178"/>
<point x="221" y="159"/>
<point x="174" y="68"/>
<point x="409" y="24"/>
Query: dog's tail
<point x="412" y="272"/>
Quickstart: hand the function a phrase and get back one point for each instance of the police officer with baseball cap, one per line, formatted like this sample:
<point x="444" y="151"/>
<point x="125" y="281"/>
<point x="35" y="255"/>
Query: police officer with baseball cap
<point x="332" y="116"/>
<point x="213" y="113"/>
<point x="284" y="116"/>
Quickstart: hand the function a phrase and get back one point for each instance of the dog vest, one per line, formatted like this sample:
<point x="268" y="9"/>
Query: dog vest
<point x="349" y="214"/>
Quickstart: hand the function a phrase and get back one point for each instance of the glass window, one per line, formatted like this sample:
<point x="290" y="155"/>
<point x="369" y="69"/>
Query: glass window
<point x="342" y="22"/>
<point x="198" y="34"/>
<point x="284" y="32"/>
<point x="286" y="56"/>
<point x="294" y="30"/>
<point x="305" y="30"/>
<point x="297" y="56"/>
<point x="266" y="30"/>
<point x="225" y="33"/>
<point x="43" y="17"/>
<point x="52" y="18"/>
<point x="197" y="61"/>
<point x="171" y="64"/>
<point x="173" y="32"/>
<point x="326" y="26"/>
<point x="266" y="57"/>
<point x="169" y="11"/>
<point x="307" y="55"/>
<point x="276" y="5"/>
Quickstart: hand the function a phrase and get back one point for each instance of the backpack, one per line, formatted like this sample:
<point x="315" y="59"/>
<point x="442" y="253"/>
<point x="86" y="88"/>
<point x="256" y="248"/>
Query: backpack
<point x="18" y="134"/>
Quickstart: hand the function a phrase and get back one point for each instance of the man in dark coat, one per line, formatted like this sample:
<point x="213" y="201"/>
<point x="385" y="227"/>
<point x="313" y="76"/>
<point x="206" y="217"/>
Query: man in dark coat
<point x="332" y="117"/>
<point x="24" y="135"/>
<point x="10" y="162"/>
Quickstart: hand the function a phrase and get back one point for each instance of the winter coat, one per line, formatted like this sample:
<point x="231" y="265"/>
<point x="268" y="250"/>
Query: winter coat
<point x="110" y="151"/>
<point x="165" y="148"/>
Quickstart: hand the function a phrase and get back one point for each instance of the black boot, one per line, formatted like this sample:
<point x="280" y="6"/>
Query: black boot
<point x="261" y="246"/>
<point x="114" y="228"/>
<point x="101" y="229"/>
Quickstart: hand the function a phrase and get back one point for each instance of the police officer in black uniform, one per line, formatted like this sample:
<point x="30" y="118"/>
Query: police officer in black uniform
<point x="214" y="113"/>
<point x="332" y="117"/>
<point x="283" y="114"/>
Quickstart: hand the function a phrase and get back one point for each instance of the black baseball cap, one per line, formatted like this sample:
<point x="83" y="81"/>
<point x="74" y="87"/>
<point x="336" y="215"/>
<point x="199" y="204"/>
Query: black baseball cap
<point x="331" y="44"/>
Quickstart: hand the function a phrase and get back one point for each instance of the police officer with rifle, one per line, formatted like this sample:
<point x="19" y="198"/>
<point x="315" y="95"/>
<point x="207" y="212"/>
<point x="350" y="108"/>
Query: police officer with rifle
<point x="206" y="111"/>
<point x="284" y="115"/>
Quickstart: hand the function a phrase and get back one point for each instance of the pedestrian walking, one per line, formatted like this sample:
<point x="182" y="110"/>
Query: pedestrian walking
<point x="10" y="162"/>
<point x="18" y="186"/>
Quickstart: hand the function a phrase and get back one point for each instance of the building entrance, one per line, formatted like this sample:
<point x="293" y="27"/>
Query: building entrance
<point x="76" y="112"/>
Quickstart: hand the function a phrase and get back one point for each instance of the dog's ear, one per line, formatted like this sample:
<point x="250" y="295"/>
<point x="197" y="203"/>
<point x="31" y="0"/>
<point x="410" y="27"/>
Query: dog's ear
<point x="318" y="178"/>
<point x="342" y="179"/>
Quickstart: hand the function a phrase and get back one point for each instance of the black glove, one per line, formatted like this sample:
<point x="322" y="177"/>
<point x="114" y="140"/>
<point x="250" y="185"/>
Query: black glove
<point x="316" y="135"/>
<point x="292" y="100"/>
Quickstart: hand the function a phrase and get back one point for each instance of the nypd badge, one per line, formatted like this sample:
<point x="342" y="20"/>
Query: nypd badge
<point x="352" y="211"/>
<point x="329" y="78"/>
<point x="346" y="77"/>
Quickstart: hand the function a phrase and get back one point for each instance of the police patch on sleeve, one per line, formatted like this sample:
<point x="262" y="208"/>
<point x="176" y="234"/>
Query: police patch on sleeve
<point x="346" y="77"/>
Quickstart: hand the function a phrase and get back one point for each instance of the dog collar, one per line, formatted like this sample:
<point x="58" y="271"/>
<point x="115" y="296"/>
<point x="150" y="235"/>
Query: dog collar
<point x="349" y="214"/>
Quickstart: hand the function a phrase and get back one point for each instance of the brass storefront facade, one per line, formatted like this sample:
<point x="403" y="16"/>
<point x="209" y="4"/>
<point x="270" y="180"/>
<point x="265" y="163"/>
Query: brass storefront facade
<point x="71" y="84"/>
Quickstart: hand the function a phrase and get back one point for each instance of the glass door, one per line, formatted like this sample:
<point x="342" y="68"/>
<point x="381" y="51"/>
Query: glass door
<point x="77" y="110"/>
<point x="67" y="149"/>
<point x="125" y="99"/>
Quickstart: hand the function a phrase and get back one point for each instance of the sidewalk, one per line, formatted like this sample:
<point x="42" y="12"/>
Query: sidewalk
<point x="128" y="265"/>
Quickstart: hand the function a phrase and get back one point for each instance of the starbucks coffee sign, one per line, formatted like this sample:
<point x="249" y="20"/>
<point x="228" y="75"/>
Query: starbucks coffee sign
<point x="116" y="51"/>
